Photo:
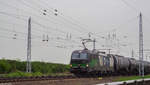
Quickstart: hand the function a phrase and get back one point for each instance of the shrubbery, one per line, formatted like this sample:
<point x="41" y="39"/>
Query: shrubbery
<point x="22" y="74"/>
<point x="18" y="68"/>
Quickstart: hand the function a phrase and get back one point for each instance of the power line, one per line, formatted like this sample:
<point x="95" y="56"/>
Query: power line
<point x="35" y="35"/>
<point x="46" y="27"/>
<point x="12" y="15"/>
<point x="19" y="15"/>
<point x="132" y="7"/>
<point x="64" y="16"/>
<point x="74" y="24"/>
<point x="15" y="16"/>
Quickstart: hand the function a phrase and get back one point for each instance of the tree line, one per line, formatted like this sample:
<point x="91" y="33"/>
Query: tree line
<point x="9" y="66"/>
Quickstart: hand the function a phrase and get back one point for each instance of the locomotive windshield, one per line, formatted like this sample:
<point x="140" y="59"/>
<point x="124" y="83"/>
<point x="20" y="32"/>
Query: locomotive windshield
<point x="79" y="56"/>
<point x="75" y="56"/>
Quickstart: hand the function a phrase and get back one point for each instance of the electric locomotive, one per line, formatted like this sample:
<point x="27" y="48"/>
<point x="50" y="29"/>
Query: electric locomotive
<point x="99" y="63"/>
<point x="80" y="61"/>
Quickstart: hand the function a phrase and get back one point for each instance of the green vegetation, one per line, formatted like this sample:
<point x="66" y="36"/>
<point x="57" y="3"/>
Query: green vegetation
<point x="125" y="78"/>
<point x="22" y="74"/>
<point x="13" y="68"/>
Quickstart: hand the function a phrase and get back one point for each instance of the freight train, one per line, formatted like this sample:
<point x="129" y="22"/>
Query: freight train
<point x="99" y="63"/>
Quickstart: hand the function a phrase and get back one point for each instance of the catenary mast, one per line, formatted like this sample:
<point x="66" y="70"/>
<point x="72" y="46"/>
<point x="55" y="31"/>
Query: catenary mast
<point x="141" y="64"/>
<point x="28" y="67"/>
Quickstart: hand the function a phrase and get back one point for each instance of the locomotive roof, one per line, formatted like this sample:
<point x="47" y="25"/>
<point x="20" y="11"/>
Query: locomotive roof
<point x="87" y="51"/>
<point x="91" y="52"/>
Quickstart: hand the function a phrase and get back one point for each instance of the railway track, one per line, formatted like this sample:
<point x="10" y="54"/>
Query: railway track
<point x="39" y="78"/>
<point x="57" y="80"/>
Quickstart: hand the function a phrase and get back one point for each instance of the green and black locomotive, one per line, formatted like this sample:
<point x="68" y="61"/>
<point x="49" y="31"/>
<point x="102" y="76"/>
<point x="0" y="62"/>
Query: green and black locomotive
<point x="91" y="61"/>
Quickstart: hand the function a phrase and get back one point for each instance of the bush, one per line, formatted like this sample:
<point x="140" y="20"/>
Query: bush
<point x="17" y="68"/>
<point x="22" y="74"/>
<point x="15" y="74"/>
<point x="5" y="67"/>
<point x="37" y="74"/>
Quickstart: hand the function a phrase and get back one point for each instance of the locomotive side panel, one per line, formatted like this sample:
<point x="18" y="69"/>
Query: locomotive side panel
<point x="94" y="63"/>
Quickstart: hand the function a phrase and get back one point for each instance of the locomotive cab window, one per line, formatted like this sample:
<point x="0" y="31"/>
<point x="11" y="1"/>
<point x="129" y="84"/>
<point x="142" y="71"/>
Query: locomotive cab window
<point x="75" y="56"/>
<point x="79" y="56"/>
<point x="83" y="55"/>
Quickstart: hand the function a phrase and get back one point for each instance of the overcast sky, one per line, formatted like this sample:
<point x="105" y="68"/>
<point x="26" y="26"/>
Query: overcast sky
<point x="63" y="19"/>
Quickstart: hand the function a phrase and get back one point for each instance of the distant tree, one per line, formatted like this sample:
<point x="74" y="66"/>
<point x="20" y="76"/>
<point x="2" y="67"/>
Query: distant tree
<point x="5" y="67"/>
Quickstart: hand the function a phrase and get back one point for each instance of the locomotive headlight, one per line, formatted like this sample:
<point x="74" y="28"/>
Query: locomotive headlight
<point x="70" y="65"/>
<point x="87" y="65"/>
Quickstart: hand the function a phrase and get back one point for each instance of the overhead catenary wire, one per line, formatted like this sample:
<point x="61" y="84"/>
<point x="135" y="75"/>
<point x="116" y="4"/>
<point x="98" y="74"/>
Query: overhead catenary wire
<point x="80" y="31"/>
<point x="24" y="39"/>
<point x="6" y="29"/>
<point x="18" y="17"/>
<point x="46" y="27"/>
<point x="74" y="24"/>
<point x="129" y="5"/>
<point x="13" y="15"/>
<point x="83" y="26"/>
<point x="25" y="34"/>
<point x="17" y="32"/>
<point x="54" y="39"/>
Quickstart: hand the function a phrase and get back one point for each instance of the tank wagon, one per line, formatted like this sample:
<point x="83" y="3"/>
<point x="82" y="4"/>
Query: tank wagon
<point x="96" y="62"/>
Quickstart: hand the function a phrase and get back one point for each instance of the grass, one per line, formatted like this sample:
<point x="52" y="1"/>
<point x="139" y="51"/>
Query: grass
<point x="59" y="74"/>
<point x="125" y="78"/>
<point x="21" y="74"/>
<point x="24" y="74"/>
